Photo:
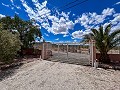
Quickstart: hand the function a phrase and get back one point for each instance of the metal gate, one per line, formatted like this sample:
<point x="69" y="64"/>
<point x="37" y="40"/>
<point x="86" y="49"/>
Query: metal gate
<point x="72" y="53"/>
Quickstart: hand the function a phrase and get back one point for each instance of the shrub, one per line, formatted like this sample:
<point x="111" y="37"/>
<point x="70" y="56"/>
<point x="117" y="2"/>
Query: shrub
<point x="9" y="45"/>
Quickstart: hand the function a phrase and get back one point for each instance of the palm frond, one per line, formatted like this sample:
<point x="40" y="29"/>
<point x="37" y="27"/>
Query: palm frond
<point x="115" y="33"/>
<point x="108" y="29"/>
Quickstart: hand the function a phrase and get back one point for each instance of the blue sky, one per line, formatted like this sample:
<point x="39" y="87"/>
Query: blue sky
<point x="58" y="22"/>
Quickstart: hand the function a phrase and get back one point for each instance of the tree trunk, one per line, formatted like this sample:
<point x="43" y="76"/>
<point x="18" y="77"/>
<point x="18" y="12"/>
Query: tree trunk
<point x="104" y="58"/>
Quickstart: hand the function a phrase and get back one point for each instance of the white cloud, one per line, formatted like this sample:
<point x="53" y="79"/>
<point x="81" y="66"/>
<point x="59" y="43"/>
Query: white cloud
<point x="72" y="38"/>
<point x="108" y="12"/>
<point x="16" y="13"/>
<point x="89" y="20"/>
<point x="117" y="3"/>
<point x="60" y="23"/>
<point x="75" y="41"/>
<point x="11" y="1"/>
<point x="65" y="35"/>
<point x="116" y="27"/>
<point x="57" y="39"/>
<point x="92" y="20"/>
<point x="18" y="7"/>
<point x="46" y="34"/>
<point x="2" y="15"/>
<point x="78" y="34"/>
<point x="73" y="14"/>
<point x="11" y="6"/>
<point x="116" y="18"/>
<point x="5" y="5"/>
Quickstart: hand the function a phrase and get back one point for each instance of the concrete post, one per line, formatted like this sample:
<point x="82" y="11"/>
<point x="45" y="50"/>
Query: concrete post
<point x="67" y="51"/>
<point x="93" y="52"/>
<point x="90" y="47"/>
<point x="43" y="51"/>
<point x="58" y="50"/>
<point x="119" y="47"/>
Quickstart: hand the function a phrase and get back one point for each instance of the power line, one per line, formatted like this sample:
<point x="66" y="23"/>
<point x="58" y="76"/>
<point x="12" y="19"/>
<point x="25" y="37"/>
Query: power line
<point x="69" y="3"/>
<point x="75" y="5"/>
<point x="68" y="7"/>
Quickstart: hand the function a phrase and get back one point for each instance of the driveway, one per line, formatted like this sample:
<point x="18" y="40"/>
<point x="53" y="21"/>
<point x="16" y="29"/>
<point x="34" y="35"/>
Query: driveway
<point x="47" y="75"/>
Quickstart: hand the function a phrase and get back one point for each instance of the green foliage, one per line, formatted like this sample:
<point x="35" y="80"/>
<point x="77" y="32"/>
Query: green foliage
<point x="9" y="45"/>
<point x="105" y="40"/>
<point x="27" y="31"/>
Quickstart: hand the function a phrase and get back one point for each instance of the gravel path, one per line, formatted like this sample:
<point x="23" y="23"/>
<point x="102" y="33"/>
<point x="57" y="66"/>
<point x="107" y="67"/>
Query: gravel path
<point x="47" y="75"/>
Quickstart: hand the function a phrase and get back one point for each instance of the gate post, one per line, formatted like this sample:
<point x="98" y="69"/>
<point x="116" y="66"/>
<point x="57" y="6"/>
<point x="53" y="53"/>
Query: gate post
<point x="67" y="51"/>
<point x="93" y="52"/>
<point x="58" y="49"/>
<point x="43" y="51"/>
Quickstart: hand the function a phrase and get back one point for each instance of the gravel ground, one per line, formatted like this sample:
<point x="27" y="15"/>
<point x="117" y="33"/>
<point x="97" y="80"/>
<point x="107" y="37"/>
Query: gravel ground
<point x="73" y="58"/>
<point x="47" y="75"/>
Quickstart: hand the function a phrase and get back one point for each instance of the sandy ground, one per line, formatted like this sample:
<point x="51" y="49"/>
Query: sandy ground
<point x="48" y="75"/>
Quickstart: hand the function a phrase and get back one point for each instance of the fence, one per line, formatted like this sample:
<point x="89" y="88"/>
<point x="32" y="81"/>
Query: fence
<point x="71" y="47"/>
<point x="72" y="53"/>
<point x="114" y="54"/>
<point x="89" y="50"/>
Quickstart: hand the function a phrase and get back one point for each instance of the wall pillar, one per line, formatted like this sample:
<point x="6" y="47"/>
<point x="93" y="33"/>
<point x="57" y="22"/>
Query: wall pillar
<point x="67" y="51"/>
<point x="43" y="51"/>
<point x="92" y="52"/>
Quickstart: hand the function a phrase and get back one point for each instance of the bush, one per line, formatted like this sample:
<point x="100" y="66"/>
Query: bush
<point x="9" y="45"/>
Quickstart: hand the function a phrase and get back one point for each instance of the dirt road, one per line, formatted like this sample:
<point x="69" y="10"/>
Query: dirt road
<point x="47" y="75"/>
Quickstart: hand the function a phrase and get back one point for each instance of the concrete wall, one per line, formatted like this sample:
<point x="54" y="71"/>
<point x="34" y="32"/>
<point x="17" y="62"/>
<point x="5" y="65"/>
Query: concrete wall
<point x="115" y="58"/>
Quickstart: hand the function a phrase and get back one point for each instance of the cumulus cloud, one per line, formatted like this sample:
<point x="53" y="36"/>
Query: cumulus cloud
<point x="116" y="18"/>
<point x="59" y="22"/>
<point x="116" y="27"/>
<point x="108" y="12"/>
<point x="60" y="25"/>
<point x="1" y="15"/>
<point x="54" y="23"/>
<point x="78" y="34"/>
<point x="93" y="20"/>
<point x="90" y="19"/>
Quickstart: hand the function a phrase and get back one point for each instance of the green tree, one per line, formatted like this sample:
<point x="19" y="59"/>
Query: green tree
<point x="7" y="23"/>
<point x="27" y="31"/>
<point x="9" y="45"/>
<point x="105" y="40"/>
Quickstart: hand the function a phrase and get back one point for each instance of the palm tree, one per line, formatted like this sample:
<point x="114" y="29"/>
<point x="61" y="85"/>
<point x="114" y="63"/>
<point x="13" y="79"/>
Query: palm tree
<point x="105" y="40"/>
